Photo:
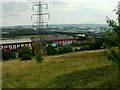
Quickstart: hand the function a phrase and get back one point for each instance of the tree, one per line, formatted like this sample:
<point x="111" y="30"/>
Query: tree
<point x="25" y="53"/>
<point x="114" y="36"/>
<point x="97" y="44"/>
<point x="68" y="49"/>
<point x="51" y="50"/>
<point x="39" y="50"/>
<point x="113" y="53"/>
<point x="61" y="50"/>
<point x="26" y="57"/>
<point x="6" y="55"/>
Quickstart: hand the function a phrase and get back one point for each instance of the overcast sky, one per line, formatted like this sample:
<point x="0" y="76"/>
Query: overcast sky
<point x="61" y="11"/>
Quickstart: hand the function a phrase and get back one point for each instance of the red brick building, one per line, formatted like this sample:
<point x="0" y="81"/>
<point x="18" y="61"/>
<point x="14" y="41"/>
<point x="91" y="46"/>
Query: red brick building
<point x="60" y="40"/>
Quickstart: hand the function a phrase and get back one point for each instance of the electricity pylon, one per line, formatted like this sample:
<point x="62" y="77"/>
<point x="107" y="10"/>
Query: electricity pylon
<point x="40" y="23"/>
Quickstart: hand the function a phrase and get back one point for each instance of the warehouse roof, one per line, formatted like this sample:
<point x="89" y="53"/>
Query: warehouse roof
<point x="14" y="41"/>
<point x="42" y="38"/>
<point x="52" y="37"/>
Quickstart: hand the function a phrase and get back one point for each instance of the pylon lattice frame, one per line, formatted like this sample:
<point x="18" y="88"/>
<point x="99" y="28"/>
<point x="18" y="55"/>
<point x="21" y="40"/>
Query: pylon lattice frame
<point x="40" y="21"/>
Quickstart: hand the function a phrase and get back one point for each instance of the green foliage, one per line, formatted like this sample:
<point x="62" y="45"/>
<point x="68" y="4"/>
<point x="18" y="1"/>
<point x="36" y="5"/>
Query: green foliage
<point x="76" y="49"/>
<point x="25" y="51"/>
<point x="65" y="49"/>
<point x="87" y="43"/>
<point x="6" y="55"/>
<point x="97" y="44"/>
<point x="61" y="50"/>
<point x="91" y="78"/>
<point x="94" y="45"/>
<point x="39" y="58"/>
<point x="111" y="23"/>
<point x="20" y="32"/>
<point x="75" y="68"/>
<point x="110" y="39"/>
<point x="33" y="50"/>
<point x="12" y="55"/>
<point x="113" y="54"/>
<point x="68" y="49"/>
<point x="84" y="48"/>
<point x="113" y="38"/>
<point x="51" y="50"/>
<point x="39" y="52"/>
<point x="26" y="57"/>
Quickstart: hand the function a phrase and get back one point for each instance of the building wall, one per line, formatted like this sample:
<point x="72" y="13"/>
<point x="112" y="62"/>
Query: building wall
<point x="16" y="46"/>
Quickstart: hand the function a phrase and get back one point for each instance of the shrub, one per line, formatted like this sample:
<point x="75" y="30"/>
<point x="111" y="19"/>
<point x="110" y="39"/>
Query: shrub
<point x="51" y="50"/>
<point x="97" y="44"/>
<point x="66" y="49"/>
<point x="24" y="50"/>
<point x="87" y="43"/>
<point x="84" y="48"/>
<point x="6" y="55"/>
<point x="113" y="54"/>
<point x="94" y="46"/>
<point x="76" y="49"/>
<point x="39" y="51"/>
<point x="33" y="50"/>
<point x="26" y="57"/>
<point x="61" y="50"/>
<point x="39" y="58"/>
<point x="12" y="55"/>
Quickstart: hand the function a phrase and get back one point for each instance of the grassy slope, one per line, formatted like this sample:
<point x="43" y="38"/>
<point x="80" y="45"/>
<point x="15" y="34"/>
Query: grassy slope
<point x="77" y="69"/>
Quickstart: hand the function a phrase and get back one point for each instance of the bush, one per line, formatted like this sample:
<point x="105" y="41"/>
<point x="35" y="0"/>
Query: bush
<point x="33" y="50"/>
<point x="65" y="50"/>
<point x="113" y="54"/>
<point x="61" y="50"/>
<point x="39" y="58"/>
<point x="87" y="43"/>
<point x="6" y="55"/>
<point x="76" y="49"/>
<point x="84" y="48"/>
<point x="97" y="44"/>
<point x="94" y="46"/>
<point x="51" y="50"/>
<point x="68" y="49"/>
<point x="26" y="57"/>
<point x="24" y="50"/>
<point x="12" y="55"/>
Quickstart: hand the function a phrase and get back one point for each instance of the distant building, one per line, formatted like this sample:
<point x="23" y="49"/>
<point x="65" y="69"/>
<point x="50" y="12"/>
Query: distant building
<point x="80" y="35"/>
<point x="60" y="40"/>
<point x="14" y="44"/>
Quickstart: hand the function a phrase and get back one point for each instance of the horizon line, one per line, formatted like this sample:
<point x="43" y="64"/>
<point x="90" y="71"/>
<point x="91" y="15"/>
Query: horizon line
<point x="53" y="24"/>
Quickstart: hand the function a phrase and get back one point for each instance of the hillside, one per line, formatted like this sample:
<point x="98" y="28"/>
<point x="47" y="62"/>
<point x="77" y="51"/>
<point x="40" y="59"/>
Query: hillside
<point x="86" y="69"/>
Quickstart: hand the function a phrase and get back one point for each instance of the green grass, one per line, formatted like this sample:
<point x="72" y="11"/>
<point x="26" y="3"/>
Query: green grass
<point x="86" y="69"/>
<point x="90" y="78"/>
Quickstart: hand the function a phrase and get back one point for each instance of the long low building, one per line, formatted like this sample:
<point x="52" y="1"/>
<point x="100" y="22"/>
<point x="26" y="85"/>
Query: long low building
<point x="15" y="44"/>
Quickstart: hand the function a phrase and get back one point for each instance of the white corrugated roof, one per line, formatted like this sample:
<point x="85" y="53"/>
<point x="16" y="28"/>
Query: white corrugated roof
<point x="14" y="41"/>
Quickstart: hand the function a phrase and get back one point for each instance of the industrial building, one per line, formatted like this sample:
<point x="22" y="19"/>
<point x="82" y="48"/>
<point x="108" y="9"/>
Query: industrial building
<point x="60" y="40"/>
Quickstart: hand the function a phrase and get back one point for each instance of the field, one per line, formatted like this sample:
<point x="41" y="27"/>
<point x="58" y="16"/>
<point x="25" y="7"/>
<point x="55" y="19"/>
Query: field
<point x="86" y="69"/>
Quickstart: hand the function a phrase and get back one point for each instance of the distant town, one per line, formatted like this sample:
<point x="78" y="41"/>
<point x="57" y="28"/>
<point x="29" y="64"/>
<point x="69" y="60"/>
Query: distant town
<point x="88" y="29"/>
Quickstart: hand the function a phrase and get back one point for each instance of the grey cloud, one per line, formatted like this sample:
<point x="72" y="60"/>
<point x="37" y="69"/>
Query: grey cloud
<point x="14" y="8"/>
<point x="57" y="3"/>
